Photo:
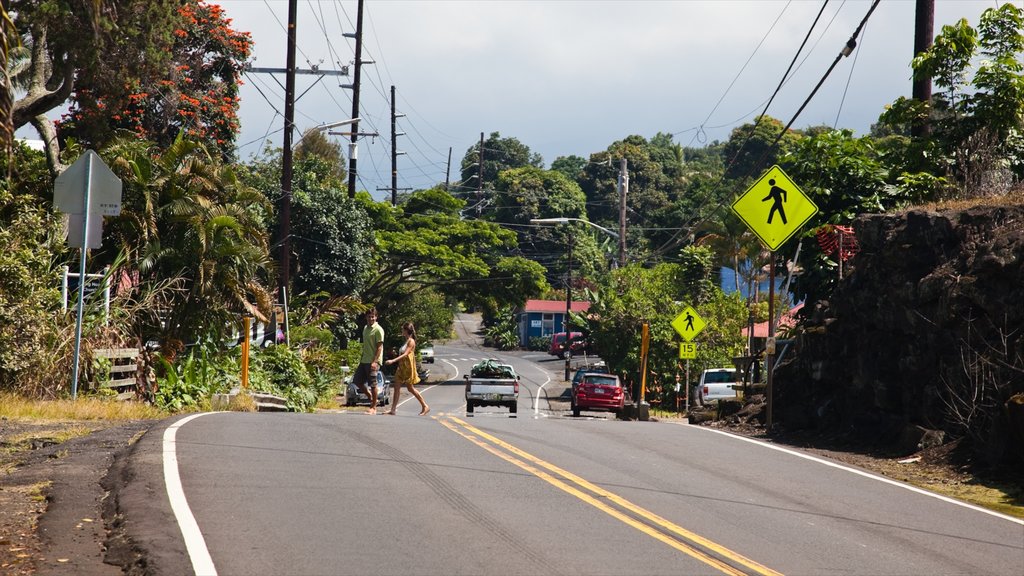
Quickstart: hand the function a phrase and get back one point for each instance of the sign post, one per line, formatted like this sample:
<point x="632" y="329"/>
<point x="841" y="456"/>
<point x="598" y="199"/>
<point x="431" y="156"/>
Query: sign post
<point x="87" y="191"/>
<point x="688" y="324"/>
<point x="774" y="208"/>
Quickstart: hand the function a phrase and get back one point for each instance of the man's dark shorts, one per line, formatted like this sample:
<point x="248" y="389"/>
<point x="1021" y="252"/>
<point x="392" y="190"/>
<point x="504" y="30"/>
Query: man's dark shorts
<point x="363" y="376"/>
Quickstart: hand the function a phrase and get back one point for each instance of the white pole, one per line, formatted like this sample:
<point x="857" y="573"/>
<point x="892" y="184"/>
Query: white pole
<point x="64" y="291"/>
<point x="287" y="335"/>
<point x="81" y="279"/>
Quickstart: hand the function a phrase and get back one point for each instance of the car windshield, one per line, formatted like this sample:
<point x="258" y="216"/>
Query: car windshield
<point x="719" y="377"/>
<point x="601" y="380"/>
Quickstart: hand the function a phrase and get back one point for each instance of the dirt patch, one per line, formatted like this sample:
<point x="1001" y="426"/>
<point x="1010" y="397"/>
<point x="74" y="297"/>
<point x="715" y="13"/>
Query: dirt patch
<point x="51" y="499"/>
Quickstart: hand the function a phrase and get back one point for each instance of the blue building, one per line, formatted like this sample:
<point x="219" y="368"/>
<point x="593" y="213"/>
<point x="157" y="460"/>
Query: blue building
<point x="544" y="318"/>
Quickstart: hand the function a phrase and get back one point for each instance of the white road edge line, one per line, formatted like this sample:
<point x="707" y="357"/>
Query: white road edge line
<point x="456" y="376"/>
<point x="202" y="564"/>
<point x="860" y="473"/>
<point x="536" y="399"/>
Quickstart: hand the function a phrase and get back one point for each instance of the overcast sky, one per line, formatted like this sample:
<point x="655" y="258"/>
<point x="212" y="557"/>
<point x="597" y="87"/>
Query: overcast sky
<point x="571" y="77"/>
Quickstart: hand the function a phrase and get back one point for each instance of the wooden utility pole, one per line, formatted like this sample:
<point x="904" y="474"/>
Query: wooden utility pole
<point x="353" y="143"/>
<point x="480" y="176"/>
<point x="394" y="151"/>
<point x="924" y="30"/>
<point x="623" y="190"/>
<point x="284" y="244"/>
<point x="448" y="171"/>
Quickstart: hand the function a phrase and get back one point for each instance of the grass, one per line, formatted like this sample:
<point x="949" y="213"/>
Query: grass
<point x="17" y="408"/>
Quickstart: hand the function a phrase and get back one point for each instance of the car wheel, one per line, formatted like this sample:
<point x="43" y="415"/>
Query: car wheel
<point x="513" y="407"/>
<point x="469" y="406"/>
<point x="575" y="411"/>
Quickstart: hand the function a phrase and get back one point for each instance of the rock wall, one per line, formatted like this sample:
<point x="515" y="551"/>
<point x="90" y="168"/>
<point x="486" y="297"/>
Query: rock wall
<point x="926" y="330"/>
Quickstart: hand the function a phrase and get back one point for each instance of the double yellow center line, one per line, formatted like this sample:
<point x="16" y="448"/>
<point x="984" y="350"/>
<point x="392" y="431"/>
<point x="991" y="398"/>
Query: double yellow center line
<point x="693" y="545"/>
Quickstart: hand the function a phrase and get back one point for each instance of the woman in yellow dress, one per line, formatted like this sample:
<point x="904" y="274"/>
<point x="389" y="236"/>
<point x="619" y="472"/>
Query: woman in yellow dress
<point x="406" y="374"/>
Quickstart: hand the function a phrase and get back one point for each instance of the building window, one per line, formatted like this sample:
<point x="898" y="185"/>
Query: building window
<point x="547" y="324"/>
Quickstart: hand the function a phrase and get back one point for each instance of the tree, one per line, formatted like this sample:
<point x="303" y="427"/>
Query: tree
<point x="115" y="59"/>
<point x="425" y="243"/>
<point x="656" y="295"/>
<point x="30" y="252"/>
<point x="571" y="166"/>
<point x="750" y="150"/>
<point x="332" y="235"/>
<point x="499" y="154"/>
<point x="195" y="93"/>
<point x="976" y="121"/>
<point x="185" y="215"/>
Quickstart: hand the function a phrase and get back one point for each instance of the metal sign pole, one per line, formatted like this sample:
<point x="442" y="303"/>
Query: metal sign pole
<point x="81" y="280"/>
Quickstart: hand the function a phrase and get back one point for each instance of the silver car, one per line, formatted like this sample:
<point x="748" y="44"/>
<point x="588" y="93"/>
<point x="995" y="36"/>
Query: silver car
<point x="354" y="397"/>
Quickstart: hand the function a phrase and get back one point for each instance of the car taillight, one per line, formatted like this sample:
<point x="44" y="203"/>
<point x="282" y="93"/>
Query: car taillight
<point x="517" y="386"/>
<point x="706" y="391"/>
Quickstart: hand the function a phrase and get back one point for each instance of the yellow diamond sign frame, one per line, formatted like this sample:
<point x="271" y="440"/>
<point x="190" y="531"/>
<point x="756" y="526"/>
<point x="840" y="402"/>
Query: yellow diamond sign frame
<point x="688" y="323"/>
<point x="774" y="208"/>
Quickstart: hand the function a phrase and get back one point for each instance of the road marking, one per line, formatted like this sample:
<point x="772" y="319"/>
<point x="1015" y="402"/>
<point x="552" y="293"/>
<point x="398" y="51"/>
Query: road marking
<point x="536" y="399"/>
<point x="202" y="564"/>
<point x="860" y="473"/>
<point x="491" y="444"/>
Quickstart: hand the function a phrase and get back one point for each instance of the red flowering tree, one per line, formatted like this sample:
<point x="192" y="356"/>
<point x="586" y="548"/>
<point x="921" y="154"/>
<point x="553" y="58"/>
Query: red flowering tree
<point x="194" y="91"/>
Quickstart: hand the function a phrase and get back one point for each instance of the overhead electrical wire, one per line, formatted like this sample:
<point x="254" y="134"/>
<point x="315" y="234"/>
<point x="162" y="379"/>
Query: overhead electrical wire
<point x="851" y="44"/>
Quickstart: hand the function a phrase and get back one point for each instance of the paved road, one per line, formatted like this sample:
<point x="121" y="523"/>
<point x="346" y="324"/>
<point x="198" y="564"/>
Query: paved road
<point x="542" y="493"/>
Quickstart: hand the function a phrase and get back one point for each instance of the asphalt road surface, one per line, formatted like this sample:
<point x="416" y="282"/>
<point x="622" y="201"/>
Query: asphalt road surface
<point x="540" y="493"/>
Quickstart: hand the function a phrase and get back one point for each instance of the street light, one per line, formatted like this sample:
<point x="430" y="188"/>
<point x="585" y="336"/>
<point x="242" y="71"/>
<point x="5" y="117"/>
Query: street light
<point x="568" y="278"/>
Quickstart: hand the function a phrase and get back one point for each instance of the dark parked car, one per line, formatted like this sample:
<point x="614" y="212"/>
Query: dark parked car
<point x="602" y="392"/>
<point x="559" y="345"/>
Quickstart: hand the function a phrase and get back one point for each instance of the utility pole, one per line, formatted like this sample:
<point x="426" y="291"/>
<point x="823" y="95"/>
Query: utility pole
<point x="623" y="190"/>
<point x="286" y="157"/>
<point x="448" y="171"/>
<point x="353" y="143"/>
<point x="394" y="149"/>
<point x="480" y="176"/>
<point x="924" y="29"/>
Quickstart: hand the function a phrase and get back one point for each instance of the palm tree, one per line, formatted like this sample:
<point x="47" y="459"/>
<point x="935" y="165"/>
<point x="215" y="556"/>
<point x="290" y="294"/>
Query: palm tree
<point x="189" y="217"/>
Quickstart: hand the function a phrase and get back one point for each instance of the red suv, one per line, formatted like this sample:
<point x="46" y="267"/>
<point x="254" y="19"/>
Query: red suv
<point x="558" y="345"/>
<point x="598" y="392"/>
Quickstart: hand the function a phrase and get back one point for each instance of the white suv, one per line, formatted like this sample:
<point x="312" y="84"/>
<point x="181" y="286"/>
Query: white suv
<point x="715" y="384"/>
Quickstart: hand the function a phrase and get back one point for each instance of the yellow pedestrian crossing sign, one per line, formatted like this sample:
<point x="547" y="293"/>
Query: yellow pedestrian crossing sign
<point x="774" y="208"/>
<point x="688" y="323"/>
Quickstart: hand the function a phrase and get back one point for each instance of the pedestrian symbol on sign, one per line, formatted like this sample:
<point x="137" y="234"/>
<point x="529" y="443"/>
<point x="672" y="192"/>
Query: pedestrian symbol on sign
<point x="778" y="197"/>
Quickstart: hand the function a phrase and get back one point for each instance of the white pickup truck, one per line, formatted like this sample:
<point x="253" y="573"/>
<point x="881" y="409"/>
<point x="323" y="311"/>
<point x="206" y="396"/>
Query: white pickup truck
<point x="491" y="383"/>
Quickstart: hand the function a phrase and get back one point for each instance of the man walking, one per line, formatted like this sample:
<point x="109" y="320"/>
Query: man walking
<point x="371" y="359"/>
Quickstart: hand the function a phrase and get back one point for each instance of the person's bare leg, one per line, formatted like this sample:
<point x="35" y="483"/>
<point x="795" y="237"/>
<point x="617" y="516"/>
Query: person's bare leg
<point x="394" y="399"/>
<point x="424" y="408"/>
<point x="373" y="399"/>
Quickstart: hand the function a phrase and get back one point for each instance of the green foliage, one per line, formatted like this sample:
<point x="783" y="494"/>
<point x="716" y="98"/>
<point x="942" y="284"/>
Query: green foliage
<point x="571" y="166"/>
<point x="430" y="311"/>
<point x="749" y="151"/>
<point x="193" y="378"/>
<point x="30" y="282"/>
<point x="976" y="115"/>
<point x="542" y="343"/>
<point x="280" y="370"/>
<point x="499" y="154"/>
<point x="502" y="332"/>
<point x="697" y="265"/>
<point x="190" y="85"/>
<point x="657" y="296"/>
<point x="186" y="217"/>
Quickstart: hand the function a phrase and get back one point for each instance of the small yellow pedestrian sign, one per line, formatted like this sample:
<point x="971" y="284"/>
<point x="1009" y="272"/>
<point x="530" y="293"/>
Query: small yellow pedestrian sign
<point x="688" y="323"/>
<point x="774" y="208"/>
<point x="687" y="350"/>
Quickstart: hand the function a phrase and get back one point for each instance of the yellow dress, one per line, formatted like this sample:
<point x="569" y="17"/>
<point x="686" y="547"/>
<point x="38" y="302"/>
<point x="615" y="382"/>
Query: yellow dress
<point x="406" y="371"/>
